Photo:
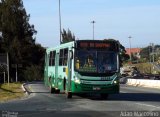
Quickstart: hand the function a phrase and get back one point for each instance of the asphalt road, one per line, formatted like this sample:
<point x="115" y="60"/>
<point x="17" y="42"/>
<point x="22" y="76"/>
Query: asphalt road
<point x="132" y="101"/>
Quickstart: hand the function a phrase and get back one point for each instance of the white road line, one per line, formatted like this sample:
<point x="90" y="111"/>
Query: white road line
<point x="30" y="88"/>
<point x="148" y="105"/>
<point x="123" y="92"/>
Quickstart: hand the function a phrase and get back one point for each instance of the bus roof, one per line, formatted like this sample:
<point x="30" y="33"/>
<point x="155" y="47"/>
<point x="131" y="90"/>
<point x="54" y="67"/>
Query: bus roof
<point x="72" y="44"/>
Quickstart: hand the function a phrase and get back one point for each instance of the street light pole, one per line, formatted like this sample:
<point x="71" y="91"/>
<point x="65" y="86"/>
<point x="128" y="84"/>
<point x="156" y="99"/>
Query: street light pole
<point x="4" y="76"/>
<point x="93" y="22"/>
<point x="60" y="34"/>
<point x="8" y="67"/>
<point x="16" y="73"/>
<point x="152" y="52"/>
<point x="130" y="48"/>
<point x="150" y="48"/>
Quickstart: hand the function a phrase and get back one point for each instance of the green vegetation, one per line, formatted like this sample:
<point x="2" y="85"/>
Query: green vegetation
<point x="16" y="39"/>
<point x="148" y="61"/>
<point x="146" y="68"/>
<point x="150" y="54"/>
<point x="11" y="91"/>
<point x="67" y="36"/>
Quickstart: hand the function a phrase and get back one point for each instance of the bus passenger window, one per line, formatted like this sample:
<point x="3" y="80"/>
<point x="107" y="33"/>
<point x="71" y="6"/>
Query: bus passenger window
<point x="50" y="59"/>
<point x="63" y="57"/>
<point x="53" y="57"/>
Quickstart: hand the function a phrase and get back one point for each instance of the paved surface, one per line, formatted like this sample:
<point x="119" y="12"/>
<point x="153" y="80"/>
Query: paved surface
<point x="40" y="103"/>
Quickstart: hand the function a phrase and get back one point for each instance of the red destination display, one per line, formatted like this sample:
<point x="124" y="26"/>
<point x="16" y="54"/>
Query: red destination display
<point x="94" y="45"/>
<point x="97" y="45"/>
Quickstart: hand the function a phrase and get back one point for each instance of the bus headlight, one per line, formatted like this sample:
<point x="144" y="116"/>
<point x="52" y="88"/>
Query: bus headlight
<point x="115" y="82"/>
<point x="76" y="80"/>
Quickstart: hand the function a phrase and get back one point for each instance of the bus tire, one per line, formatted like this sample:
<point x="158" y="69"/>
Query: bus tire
<point x="104" y="95"/>
<point x="69" y="95"/>
<point x="64" y="84"/>
<point x="52" y="90"/>
<point x="57" y="91"/>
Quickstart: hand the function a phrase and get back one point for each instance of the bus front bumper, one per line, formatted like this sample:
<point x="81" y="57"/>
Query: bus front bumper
<point x="88" y="88"/>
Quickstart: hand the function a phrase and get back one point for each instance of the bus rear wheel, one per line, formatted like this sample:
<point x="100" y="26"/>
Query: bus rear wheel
<point x="69" y="95"/>
<point x="104" y="95"/>
<point x="52" y="90"/>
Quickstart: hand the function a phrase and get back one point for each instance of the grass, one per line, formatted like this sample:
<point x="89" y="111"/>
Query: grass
<point x="145" y="68"/>
<point x="11" y="91"/>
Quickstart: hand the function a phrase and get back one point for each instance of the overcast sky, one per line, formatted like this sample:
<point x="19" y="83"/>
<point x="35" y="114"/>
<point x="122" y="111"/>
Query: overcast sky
<point x="116" y="19"/>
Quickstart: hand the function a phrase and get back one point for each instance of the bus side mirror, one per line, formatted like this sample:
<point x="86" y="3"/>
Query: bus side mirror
<point x="71" y="54"/>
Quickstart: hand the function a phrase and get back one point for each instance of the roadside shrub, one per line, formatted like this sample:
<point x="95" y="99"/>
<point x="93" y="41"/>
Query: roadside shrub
<point x="33" y="73"/>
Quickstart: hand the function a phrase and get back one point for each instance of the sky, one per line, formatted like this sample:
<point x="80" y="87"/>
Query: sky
<point x="117" y="19"/>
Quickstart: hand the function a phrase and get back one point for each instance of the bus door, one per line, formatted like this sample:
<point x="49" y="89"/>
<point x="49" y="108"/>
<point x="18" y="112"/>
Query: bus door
<point x="56" y="69"/>
<point x="70" y="69"/>
<point x="46" y="69"/>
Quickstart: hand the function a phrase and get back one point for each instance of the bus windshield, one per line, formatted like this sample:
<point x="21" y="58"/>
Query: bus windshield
<point x="95" y="61"/>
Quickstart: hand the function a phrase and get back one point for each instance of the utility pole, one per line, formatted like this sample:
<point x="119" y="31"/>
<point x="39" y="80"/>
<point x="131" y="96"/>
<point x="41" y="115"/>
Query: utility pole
<point x="93" y="22"/>
<point x="153" y="51"/>
<point x="150" y="50"/>
<point x="16" y="73"/>
<point x="60" y="29"/>
<point x="130" y="48"/>
<point x="8" y="66"/>
<point x="4" y="76"/>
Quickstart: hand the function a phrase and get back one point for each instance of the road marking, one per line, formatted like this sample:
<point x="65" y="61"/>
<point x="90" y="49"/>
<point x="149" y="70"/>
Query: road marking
<point x="123" y="92"/>
<point x="36" y="113"/>
<point x="147" y="105"/>
<point x="29" y="87"/>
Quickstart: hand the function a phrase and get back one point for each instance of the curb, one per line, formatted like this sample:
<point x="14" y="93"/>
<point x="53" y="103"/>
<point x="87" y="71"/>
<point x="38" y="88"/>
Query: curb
<point x="24" y="89"/>
<point x="144" y="83"/>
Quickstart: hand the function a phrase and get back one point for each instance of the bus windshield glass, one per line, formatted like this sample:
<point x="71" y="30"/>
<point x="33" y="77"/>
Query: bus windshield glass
<point x="95" y="61"/>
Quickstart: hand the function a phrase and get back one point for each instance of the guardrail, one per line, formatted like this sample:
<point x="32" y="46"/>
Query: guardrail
<point x="144" y="83"/>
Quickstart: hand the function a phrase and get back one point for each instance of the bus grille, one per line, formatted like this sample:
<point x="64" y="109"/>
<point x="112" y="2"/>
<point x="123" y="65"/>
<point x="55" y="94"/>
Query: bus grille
<point x="86" y="87"/>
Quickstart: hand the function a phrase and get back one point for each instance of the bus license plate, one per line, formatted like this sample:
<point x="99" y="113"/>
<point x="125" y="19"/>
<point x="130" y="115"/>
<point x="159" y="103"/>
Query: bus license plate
<point x="96" y="88"/>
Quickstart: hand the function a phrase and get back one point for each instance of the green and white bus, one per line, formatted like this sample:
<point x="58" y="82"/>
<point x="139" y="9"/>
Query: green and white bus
<point x="83" y="66"/>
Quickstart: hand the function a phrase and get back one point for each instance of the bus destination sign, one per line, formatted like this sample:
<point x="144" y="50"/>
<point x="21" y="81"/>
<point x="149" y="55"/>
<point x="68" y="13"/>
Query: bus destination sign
<point x="96" y="45"/>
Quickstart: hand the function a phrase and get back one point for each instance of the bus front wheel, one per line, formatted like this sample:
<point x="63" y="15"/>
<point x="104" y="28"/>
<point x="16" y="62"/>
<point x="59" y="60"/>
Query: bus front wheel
<point x="57" y="91"/>
<point x="104" y="95"/>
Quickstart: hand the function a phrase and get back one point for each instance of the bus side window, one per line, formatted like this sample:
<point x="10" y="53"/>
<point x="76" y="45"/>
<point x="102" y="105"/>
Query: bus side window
<point x="52" y="58"/>
<point x="65" y="57"/>
<point x="61" y="57"/>
<point x="46" y="59"/>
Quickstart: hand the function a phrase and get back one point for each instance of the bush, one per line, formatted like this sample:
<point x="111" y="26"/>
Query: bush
<point x="33" y="73"/>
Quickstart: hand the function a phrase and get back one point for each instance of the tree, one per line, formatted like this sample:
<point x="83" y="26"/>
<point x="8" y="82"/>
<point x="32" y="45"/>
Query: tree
<point x="150" y="51"/>
<point x="17" y="36"/>
<point x="15" y="24"/>
<point x="67" y="36"/>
